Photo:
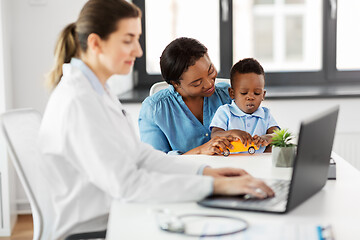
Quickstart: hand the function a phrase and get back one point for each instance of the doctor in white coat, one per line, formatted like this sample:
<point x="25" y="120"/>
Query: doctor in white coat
<point x="90" y="151"/>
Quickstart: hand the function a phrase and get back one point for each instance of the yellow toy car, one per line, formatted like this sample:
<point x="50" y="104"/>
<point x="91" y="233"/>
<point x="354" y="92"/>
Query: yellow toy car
<point x="239" y="147"/>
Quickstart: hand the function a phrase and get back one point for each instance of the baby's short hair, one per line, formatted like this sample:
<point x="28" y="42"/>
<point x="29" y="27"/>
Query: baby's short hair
<point x="246" y="65"/>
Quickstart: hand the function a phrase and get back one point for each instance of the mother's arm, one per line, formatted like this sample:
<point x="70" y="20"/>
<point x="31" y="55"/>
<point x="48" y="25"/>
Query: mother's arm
<point x="149" y="131"/>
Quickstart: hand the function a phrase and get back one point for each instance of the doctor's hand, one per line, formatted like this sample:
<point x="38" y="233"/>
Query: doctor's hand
<point x="223" y="172"/>
<point x="245" y="184"/>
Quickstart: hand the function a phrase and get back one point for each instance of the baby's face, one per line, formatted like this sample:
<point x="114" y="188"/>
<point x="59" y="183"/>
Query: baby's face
<point x="248" y="91"/>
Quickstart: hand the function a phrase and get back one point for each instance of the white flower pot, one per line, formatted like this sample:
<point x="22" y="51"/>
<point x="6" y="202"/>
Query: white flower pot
<point x="283" y="156"/>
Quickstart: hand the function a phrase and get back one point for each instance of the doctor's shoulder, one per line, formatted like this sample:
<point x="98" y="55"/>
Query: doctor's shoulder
<point x="71" y="95"/>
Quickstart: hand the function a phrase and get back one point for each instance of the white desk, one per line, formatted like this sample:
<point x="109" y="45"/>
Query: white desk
<point x="338" y="203"/>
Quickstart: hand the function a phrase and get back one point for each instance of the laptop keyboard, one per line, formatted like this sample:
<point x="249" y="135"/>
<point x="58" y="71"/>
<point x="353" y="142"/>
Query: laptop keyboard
<point x="273" y="204"/>
<point x="281" y="189"/>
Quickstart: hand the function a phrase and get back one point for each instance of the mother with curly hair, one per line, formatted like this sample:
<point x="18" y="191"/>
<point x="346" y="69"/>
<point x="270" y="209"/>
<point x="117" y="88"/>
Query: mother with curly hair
<point x="176" y="120"/>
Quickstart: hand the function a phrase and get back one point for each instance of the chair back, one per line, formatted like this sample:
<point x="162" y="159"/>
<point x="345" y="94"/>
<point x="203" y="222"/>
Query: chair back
<point x="157" y="87"/>
<point x="162" y="85"/>
<point x="225" y="80"/>
<point x="20" y="129"/>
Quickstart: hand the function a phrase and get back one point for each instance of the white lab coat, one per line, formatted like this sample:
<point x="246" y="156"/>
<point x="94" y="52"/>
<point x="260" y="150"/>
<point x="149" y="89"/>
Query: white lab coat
<point x="92" y="155"/>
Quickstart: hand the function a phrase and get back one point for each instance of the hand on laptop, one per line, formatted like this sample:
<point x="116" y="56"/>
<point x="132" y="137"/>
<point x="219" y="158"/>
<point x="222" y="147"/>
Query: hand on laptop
<point x="224" y="172"/>
<point x="245" y="184"/>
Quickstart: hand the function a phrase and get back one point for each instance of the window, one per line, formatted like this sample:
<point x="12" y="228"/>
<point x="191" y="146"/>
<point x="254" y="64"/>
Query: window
<point x="282" y="35"/>
<point x="178" y="20"/>
<point x="348" y="38"/>
<point x="298" y="42"/>
<point x="165" y="20"/>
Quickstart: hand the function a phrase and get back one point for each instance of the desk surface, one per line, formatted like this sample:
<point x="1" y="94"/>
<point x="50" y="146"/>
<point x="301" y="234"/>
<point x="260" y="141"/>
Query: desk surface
<point x="337" y="203"/>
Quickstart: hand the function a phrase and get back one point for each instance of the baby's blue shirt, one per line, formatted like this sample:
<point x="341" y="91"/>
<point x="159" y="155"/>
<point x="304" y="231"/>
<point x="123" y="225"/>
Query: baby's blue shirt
<point x="229" y="117"/>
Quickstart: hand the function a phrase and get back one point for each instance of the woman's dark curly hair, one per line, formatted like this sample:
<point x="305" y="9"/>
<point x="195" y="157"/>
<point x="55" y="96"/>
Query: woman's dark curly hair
<point x="178" y="56"/>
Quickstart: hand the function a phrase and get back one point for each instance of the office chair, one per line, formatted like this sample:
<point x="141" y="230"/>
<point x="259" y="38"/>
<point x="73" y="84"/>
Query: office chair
<point x="162" y="85"/>
<point x="225" y="80"/>
<point x="20" y="129"/>
<point x="157" y="87"/>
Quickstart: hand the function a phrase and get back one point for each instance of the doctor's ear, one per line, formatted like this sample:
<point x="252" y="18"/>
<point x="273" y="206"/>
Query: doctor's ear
<point x="94" y="42"/>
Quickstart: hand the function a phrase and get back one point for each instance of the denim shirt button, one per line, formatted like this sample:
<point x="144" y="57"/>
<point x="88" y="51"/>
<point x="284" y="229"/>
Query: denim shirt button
<point x="206" y="134"/>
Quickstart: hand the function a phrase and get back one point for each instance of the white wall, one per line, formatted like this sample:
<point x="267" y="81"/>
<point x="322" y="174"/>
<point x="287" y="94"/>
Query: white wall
<point x="35" y="29"/>
<point x="34" y="32"/>
<point x="5" y="58"/>
<point x="7" y="183"/>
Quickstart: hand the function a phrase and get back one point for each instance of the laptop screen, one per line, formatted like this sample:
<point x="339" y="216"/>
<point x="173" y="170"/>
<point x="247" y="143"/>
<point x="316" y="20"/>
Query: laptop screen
<point x="311" y="165"/>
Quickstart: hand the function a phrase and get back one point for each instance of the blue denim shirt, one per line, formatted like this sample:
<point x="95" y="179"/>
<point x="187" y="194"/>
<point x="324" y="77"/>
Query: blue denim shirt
<point x="230" y="116"/>
<point x="168" y="125"/>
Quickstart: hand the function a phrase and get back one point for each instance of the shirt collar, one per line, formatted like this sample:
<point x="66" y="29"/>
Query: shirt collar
<point x="90" y="75"/>
<point x="234" y="109"/>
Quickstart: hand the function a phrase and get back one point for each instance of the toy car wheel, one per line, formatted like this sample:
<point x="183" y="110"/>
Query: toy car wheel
<point x="251" y="150"/>
<point x="226" y="152"/>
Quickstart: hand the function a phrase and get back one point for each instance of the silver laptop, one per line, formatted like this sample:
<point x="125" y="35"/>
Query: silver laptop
<point x="310" y="170"/>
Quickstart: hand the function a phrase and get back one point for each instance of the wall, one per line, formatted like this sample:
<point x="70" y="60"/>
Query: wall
<point x="7" y="183"/>
<point x="33" y="35"/>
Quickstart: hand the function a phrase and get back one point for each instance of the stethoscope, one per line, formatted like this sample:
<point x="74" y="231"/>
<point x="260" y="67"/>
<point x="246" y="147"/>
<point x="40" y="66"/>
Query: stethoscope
<point x="170" y="222"/>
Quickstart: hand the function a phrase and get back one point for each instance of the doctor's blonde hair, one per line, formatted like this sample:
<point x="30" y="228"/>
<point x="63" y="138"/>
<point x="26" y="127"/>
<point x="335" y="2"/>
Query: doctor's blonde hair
<point x="97" y="16"/>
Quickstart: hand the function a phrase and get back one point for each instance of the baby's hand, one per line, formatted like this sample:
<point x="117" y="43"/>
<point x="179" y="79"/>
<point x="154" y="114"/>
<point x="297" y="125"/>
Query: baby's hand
<point x="263" y="140"/>
<point x="243" y="136"/>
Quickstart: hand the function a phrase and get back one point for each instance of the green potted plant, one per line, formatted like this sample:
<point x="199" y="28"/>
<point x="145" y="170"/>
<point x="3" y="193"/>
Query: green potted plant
<point x="283" y="150"/>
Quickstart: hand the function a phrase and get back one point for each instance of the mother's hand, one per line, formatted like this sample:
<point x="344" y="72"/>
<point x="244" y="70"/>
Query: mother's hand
<point x="213" y="146"/>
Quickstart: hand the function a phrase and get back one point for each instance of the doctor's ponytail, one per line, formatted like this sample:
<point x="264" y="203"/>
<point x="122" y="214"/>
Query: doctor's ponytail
<point x="65" y="49"/>
<point x="97" y="16"/>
